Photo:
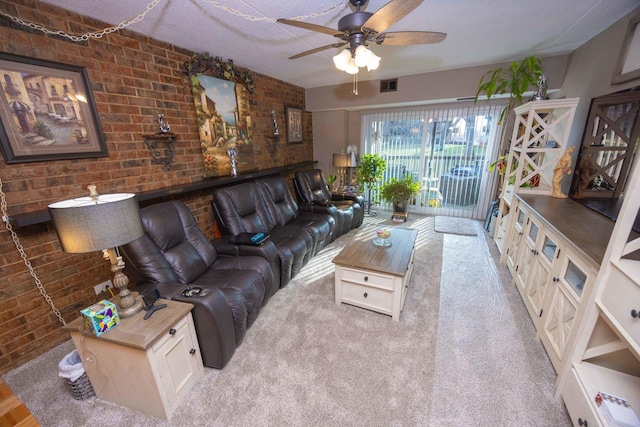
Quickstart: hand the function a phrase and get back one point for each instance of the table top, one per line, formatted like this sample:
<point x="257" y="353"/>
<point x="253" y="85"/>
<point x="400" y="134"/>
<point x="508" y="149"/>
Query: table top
<point x="135" y="331"/>
<point x="394" y="259"/>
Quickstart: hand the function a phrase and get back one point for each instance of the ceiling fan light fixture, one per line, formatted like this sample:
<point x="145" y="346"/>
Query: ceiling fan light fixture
<point x="374" y="62"/>
<point x="362" y="55"/>
<point x="351" y="67"/>
<point x="341" y="60"/>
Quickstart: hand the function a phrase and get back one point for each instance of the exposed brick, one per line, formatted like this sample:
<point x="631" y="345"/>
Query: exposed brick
<point x="133" y="78"/>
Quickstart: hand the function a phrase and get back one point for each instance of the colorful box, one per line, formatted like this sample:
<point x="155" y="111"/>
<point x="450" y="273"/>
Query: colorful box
<point x="101" y="317"/>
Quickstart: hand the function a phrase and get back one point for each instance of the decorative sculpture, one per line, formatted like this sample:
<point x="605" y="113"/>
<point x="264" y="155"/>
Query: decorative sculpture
<point x="541" y="93"/>
<point x="275" y="123"/>
<point x="164" y="127"/>
<point x="232" y="152"/>
<point x="563" y="167"/>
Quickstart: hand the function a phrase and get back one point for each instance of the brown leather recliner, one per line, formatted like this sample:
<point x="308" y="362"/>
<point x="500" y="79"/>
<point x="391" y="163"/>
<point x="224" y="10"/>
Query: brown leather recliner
<point x="313" y="195"/>
<point x="267" y="206"/>
<point x="175" y="256"/>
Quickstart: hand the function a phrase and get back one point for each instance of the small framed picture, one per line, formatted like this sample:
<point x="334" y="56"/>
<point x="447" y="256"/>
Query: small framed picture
<point x="46" y="112"/>
<point x="294" y="124"/>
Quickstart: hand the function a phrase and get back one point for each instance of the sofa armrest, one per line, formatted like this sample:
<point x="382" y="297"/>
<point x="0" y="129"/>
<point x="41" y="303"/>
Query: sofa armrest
<point x="212" y="318"/>
<point x="327" y="209"/>
<point x="267" y="251"/>
<point x="347" y="196"/>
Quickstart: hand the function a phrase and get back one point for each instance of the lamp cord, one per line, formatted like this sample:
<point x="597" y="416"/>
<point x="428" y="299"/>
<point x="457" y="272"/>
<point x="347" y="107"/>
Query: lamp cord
<point x="23" y="255"/>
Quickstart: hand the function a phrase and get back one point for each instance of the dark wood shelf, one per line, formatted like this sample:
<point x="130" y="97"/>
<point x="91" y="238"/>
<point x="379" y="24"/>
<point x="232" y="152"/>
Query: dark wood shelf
<point x="42" y="216"/>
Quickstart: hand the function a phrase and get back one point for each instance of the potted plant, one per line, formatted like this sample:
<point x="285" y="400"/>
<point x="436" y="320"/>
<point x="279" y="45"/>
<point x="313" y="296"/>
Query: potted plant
<point x="514" y="80"/>
<point x="399" y="192"/>
<point x="369" y="171"/>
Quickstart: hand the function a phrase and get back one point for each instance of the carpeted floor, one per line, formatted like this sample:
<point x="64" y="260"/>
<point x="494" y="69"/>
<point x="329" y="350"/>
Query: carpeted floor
<point x="463" y="353"/>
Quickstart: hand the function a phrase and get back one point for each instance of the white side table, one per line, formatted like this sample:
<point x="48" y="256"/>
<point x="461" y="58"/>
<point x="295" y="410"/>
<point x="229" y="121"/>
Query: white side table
<point x="147" y="365"/>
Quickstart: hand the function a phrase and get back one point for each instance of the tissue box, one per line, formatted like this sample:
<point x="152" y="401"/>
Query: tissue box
<point x="616" y="411"/>
<point x="101" y="317"/>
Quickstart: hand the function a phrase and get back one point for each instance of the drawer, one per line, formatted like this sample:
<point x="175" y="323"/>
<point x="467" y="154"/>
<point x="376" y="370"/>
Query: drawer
<point x="367" y="278"/>
<point x="577" y="402"/>
<point x="621" y="295"/>
<point x="180" y="329"/>
<point x="379" y="300"/>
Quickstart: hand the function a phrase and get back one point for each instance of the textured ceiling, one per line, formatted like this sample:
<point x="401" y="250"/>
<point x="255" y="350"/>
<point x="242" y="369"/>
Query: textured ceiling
<point x="479" y="32"/>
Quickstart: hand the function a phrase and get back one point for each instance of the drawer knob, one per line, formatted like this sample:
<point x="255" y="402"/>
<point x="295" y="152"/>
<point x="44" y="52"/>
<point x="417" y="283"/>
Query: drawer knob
<point x="534" y="251"/>
<point x="172" y="331"/>
<point x="366" y="295"/>
<point x="582" y="422"/>
<point x="192" y="351"/>
<point x="556" y="279"/>
<point x="366" y="278"/>
<point x="635" y="314"/>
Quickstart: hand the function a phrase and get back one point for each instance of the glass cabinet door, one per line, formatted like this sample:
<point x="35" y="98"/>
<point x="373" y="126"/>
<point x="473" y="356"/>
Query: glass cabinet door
<point x="575" y="277"/>
<point x="549" y="248"/>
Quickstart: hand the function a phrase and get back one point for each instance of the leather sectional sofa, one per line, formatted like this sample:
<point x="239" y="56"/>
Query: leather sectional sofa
<point x="227" y="283"/>
<point x="267" y="206"/>
<point x="313" y="195"/>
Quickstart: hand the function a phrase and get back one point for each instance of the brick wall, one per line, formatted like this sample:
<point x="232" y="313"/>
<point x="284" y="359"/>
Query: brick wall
<point x="132" y="78"/>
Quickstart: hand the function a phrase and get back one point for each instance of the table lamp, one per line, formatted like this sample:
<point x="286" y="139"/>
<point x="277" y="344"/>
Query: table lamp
<point x="101" y="223"/>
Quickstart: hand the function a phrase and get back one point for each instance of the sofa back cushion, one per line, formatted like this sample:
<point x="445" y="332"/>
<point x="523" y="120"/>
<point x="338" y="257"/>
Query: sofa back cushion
<point x="311" y="187"/>
<point x="173" y="230"/>
<point x="240" y="209"/>
<point x="279" y="203"/>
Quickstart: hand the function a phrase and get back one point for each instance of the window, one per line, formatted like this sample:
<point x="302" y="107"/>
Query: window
<point x="446" y="148"/>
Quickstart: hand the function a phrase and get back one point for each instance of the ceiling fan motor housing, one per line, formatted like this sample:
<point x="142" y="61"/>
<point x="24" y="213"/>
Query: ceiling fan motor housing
<point x="352" y="25"/>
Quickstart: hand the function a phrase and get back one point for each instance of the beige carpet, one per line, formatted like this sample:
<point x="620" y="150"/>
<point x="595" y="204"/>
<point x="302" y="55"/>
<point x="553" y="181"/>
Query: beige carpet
<point x="453" y="225"/>
<point x="463" y="353"/>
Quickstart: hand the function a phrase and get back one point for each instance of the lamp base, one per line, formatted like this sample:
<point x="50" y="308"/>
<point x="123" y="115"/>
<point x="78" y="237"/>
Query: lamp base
<point x="132" y="310"/>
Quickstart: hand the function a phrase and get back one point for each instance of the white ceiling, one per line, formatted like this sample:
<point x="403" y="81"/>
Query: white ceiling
<point x="479" y="32"/>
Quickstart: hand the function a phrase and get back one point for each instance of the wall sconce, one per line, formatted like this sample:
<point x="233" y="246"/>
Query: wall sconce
<point x="274" y="137"/>
<point x="161" y="145"/>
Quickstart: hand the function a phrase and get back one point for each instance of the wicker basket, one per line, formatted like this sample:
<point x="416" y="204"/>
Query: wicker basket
<point x="81" y="388"/>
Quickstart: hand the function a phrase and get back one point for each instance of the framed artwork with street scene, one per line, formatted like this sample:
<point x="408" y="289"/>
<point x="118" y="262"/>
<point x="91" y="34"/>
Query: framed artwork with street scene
<point x="294" y="124"/>
<point x="47" y="112"/>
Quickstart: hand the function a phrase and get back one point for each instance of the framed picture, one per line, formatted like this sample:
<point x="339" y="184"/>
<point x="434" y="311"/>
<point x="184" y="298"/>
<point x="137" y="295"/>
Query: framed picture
<point x="294" y="124"/>
<point x="628" y="66"/>
<point x="46" y="112"/>
<point x="221" y="97"/>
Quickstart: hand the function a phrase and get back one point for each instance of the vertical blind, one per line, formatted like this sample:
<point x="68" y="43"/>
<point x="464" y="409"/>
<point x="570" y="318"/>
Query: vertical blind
<point x="447" y="148"/>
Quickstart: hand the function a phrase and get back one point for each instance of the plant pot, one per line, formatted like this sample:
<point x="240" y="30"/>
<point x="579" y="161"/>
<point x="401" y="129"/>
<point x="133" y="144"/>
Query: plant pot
<point x="400" y="210"/>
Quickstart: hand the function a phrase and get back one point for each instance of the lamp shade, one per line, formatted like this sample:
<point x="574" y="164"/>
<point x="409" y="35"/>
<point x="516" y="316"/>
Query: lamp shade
<point x="341" y="160"/>
<point x="89" y="224"/>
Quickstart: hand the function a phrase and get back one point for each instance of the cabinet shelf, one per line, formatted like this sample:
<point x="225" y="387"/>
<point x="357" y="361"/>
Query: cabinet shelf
<point x="595" y="378"/>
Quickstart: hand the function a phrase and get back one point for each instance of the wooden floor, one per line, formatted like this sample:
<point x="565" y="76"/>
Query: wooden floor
<point x="12" y="410"/>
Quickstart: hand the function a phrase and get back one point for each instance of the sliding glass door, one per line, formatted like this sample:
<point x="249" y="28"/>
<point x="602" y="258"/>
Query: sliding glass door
<point x="446" y="148"/>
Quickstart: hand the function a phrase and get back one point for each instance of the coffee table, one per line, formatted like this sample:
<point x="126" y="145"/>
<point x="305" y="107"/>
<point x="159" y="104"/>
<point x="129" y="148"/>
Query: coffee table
<point x="374" y="277"/>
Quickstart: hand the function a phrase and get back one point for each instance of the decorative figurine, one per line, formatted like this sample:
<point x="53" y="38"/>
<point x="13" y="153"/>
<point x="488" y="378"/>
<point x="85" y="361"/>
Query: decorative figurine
<point x="541" y="93"/>
<point x="164" y="127"/>
<point x="232" y="152"/>
<point x="563" y="167"/>
<point x="275" y="123"/>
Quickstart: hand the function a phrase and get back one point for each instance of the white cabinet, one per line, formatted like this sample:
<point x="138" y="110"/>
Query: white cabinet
<point x="606" y="354"/>
<point x="552" y="263"/>
<point x="147" y="365"/>
<point x="562" y="307"/>
<point x="539" y="139"/>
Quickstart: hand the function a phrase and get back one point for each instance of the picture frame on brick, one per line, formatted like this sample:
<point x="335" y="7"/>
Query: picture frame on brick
<point x="294" y="124"/>
<point x="47" y="112"/>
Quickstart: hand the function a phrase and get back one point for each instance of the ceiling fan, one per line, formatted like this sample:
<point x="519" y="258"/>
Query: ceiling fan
<point x="360" y="28"/>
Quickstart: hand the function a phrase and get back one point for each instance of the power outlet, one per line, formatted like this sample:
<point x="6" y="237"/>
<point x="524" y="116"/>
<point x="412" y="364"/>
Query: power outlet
<point x="102" y="287"/>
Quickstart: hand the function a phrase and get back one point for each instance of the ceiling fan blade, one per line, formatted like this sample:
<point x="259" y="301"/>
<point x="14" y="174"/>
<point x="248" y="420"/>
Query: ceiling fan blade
<point x="389" y="14"/>
<point x="409" y="37"/>
<point x="313" y="27"/>
<point x="318" y="49"/>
